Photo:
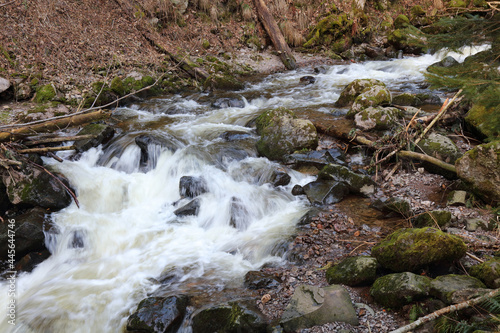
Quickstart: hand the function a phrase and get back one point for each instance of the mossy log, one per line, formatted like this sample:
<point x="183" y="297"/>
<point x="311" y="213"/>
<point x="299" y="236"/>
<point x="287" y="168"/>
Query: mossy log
<point x="52" y="124"/>
<point x="275" y="33"/>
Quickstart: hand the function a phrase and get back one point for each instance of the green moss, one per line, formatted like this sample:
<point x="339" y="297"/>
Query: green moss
<point x="457" y="4"/>
<point x="45" y="93"/>
<point x="488" y="272"/>
<point x="205" y="44"/>
<point x="401" y="21"/>
<point x="118" y="86"/>
<point x="484" y="121"/>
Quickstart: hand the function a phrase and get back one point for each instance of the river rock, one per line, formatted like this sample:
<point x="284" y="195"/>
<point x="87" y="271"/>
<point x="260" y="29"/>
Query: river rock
<point x="432" y="219"/>
<point x="398" y="289"/>
<point x="28" y="232"/>
<point x="307" y="80"/>
<point x="441" y="147"/>
<point x="102" y="134"/>
<point x="31" y="260"/>
<point x="474" y="224"/>
<point x="484" y="120"/>
<point x="480" y="169"/>
<point x="158" y="314"/>
<point x="444" y="286"/>
<point x="315" y="158"/>
<point x="374" y="96"/>
<point x="447" y="62"/>
<point x="311" y="306"/>
<point x="34" y="187"/>
<point x="457" y="198"/>
<point x="392" y="204"/>
<point x="377" y="118"/>
<point x="412" y="249"/>
<point x="488" y="272"/>
<point x="148" y="143"/>
<point x="191" y="208"/>
<point x="357" y="183"/>
<point x="409" y="39"/>
<point x="354" y="89"/>
<point x="281" y="133"/>
<point x="232" y="317"/>
<point x="325" y="192"/>
<point x="353" y="271"/>
<point x="191" y="186"/>
<point x="280" y="178"/>
<point x="223" y="103"/>
<point x="260" y="280"/>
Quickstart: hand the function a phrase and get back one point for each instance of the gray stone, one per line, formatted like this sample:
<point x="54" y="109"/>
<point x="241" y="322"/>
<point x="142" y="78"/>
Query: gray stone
<point x="441" y="147"/>
<point x="4" y="84"/>
<point x="357" y="183"/>
<point x="393" y="204"/>
<point x="447" y="62"/>
<point x="311" y="306"/>
<point x="191" y="208"/>
<point x="475" y="224"/>
<point x="260" y="280"/>
<point x="377" y="118"/>
<point x="325" y="192"/>
<point x="353" y="271"/>
<point x="444" y="286"/>
<point x="191" y="186"/>
<point x="457" y="198"/>
<point x="398" y="289"/>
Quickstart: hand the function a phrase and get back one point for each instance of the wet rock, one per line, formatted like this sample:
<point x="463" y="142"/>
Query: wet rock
<point x="353" y="271"/>
<point x="483" y="120"/>
<point x="223" y="103"/>
<point x="31" y="260"/>
<point x="316" y="158"/>
<point x="260" y="280"/>
<point x="311" y="306"/>
<point x="102" y="134"/>
<point x="412" y="249"/>
<point x="191" y="208"/>
<point x="148" y="144"/>
<point x="280" y="178"/>
<point x="457" y="198"/>
<point x="396" y="290"/>
<point x="357" y="183"/>
<point x="281" y="133"/>
<point x="432" y="219"/>
<point x="307" y="80"/>
<point x="231" y="136"/>
<point x="239" y="214"/>
<point x="191" y="186"/>
<point x="431" y="99"/>
<point x="34" y="187"/>
<point x="374" y="52"/>
<point x="393" y="204"/>
<point x="158" y="314"/>
<point x="28" y="232"/>
<point x="488" y="272"/>
<point x="298" y="190"/>
<point x="447" y="62"/>
<point x="325" y="192"/>
<point x="354" y="89"/>
<point x="480" y="169"/>
<point x="232" y="317"/>
<point x="444" y="286"/>
<point x="377" y="118"/>
<point x="375" y="96"/>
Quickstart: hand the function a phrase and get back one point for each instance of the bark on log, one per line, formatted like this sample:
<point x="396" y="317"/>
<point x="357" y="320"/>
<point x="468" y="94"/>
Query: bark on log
<point x="275" y="33"/>
<point x="53" y="125"/>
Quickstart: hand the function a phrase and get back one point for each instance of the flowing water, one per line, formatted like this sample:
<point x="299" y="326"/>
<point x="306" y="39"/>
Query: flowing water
<point x="107" y="254"/>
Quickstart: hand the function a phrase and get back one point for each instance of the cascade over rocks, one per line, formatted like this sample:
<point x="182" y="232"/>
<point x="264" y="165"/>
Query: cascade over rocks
<point x="102" y="134"/>
<point x="191" y="186"/>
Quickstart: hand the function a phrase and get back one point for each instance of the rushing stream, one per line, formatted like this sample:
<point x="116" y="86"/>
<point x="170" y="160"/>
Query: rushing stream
<point x="107" y="254"/>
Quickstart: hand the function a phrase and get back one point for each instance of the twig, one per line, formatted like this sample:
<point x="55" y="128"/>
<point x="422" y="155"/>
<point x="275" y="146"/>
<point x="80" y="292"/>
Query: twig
<point x="389" y="175"/>
<point x="474" y="257"/>
<point x="54" y="156"/>
<point x="448" y="309"/>
<point x="59" y="139"/>
<point x="8" y="3"/>
<point x="44" y="149"/>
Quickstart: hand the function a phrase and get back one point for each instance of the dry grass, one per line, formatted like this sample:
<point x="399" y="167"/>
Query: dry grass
<point x="292" y="35"/>
<point x="246" y="12"/>
<point x="160" y="9"/>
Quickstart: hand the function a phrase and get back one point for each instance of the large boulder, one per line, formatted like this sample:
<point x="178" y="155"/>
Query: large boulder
<point x="281" y="133"/>
<point x="411" y="249"/>
<point x="158" y="314"/>
<point x="354" y="89"/>
<point x="377" y="118"/>
<point x="375" y="96"/>
<point x="396" y="290"/>
<point x="444" y="286"/>
<point x="232" y="317"/>
<point x="488" y="272"/>
<point x="480" y="169"/>
<point x="311" y="306"/>
<point x="353" y="271"/>
<point x="484" y="120"/>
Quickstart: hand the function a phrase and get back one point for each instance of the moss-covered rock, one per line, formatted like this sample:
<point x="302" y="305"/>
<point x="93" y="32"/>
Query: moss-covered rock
<point x="432" y="219"/>
<point x="353" y="271"/>
<point x="412" y="249"/>
<point x="488" y="272"/>
<point x="401" y="21"/>
<point x="45" y="93"/>
<point x="374" y="96"/>
<point x="406" y="99"/>
<point x="354" y="89"/>
<point x="484" y="120"/>
<point x="441" y="147"/>
<point x="331" y="28"/>
<point x="118" y="86"/>
<point x="393" y="204"/>
<point x="377" y="118"/>
<point x="282" y="133"/>
<point x="357" y="183"/>
<point x="457" y="4"/>
<point x="396" y="290"/>
<point x="444" y="286"/>
<point x="408" y="39"/>
<point x="480" y="169"/>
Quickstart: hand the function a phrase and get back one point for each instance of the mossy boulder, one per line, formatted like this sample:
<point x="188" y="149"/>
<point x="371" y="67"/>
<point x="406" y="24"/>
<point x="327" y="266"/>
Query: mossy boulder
<point x="407" y="99"/>
<point x="408" y="39"/>
<point x="401" y="21"/>
<point x="371" y="97"/>
<point x="444" y="286"/>
<point x="480" y="169"/>
<point x="440" y="147"/>
<point x="446" y="62"/>
<point x="484" y="121"/>
<point x="354" y="89"/>
<point x="377" y="118"/>
<point x="457" y="4"/>
<point x="353" y="271"/>
<point x="398" y="289"/>
<point x="45" y="93"/>
<point x="412" y="249"/>
<point x="357" y="183"/>
<point x="488" y="272"/>
<point x="231" y="317"/>
<point x="432" y="219"/>
<point x="333" y="27"/>
<point x="281" y="133"/>
<point x="118" y="86"/>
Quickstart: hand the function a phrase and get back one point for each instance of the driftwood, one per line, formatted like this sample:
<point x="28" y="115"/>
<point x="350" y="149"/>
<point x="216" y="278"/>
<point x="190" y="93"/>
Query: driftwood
<point x="59" y="139"/>
<point x="52" y="124"/>
<point x="44" y="150"/>
<point x="443" y="311"/>
<point x="274" y="32"/>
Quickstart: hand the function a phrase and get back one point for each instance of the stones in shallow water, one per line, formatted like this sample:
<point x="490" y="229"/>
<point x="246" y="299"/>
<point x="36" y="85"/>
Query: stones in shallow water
<point x="412" y="249"/>
<point x="307" y="80"/>
<point x="393" y="204"/>
<point x="353" y="271"/>
<point x="311" y="306"/>
<point x="398" y="289"/>
<point x="325" y="192"/>
<point x="260" y="280"/>
<point x="223" y="103"/>
<point x="280" y="178"/>
<point x="158" y="314"/>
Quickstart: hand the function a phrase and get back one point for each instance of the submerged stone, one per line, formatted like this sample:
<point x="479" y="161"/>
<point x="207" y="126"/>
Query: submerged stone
<point x="191" y="208"/>
<point x="412" y="249"/>
<point x="223" y="103"/>
<point x="191" y="186"/>
<point x="396" y="290"/>
<point x="353" y="271"/>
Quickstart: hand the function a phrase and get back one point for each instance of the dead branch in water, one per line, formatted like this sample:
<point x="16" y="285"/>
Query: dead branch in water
<point x="44" y="150"/>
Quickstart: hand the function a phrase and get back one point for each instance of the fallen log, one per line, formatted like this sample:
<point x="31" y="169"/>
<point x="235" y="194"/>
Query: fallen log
<point x="274" y="32"/>
<point x="59" y="139"/>
<point x="52" y="124"/>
